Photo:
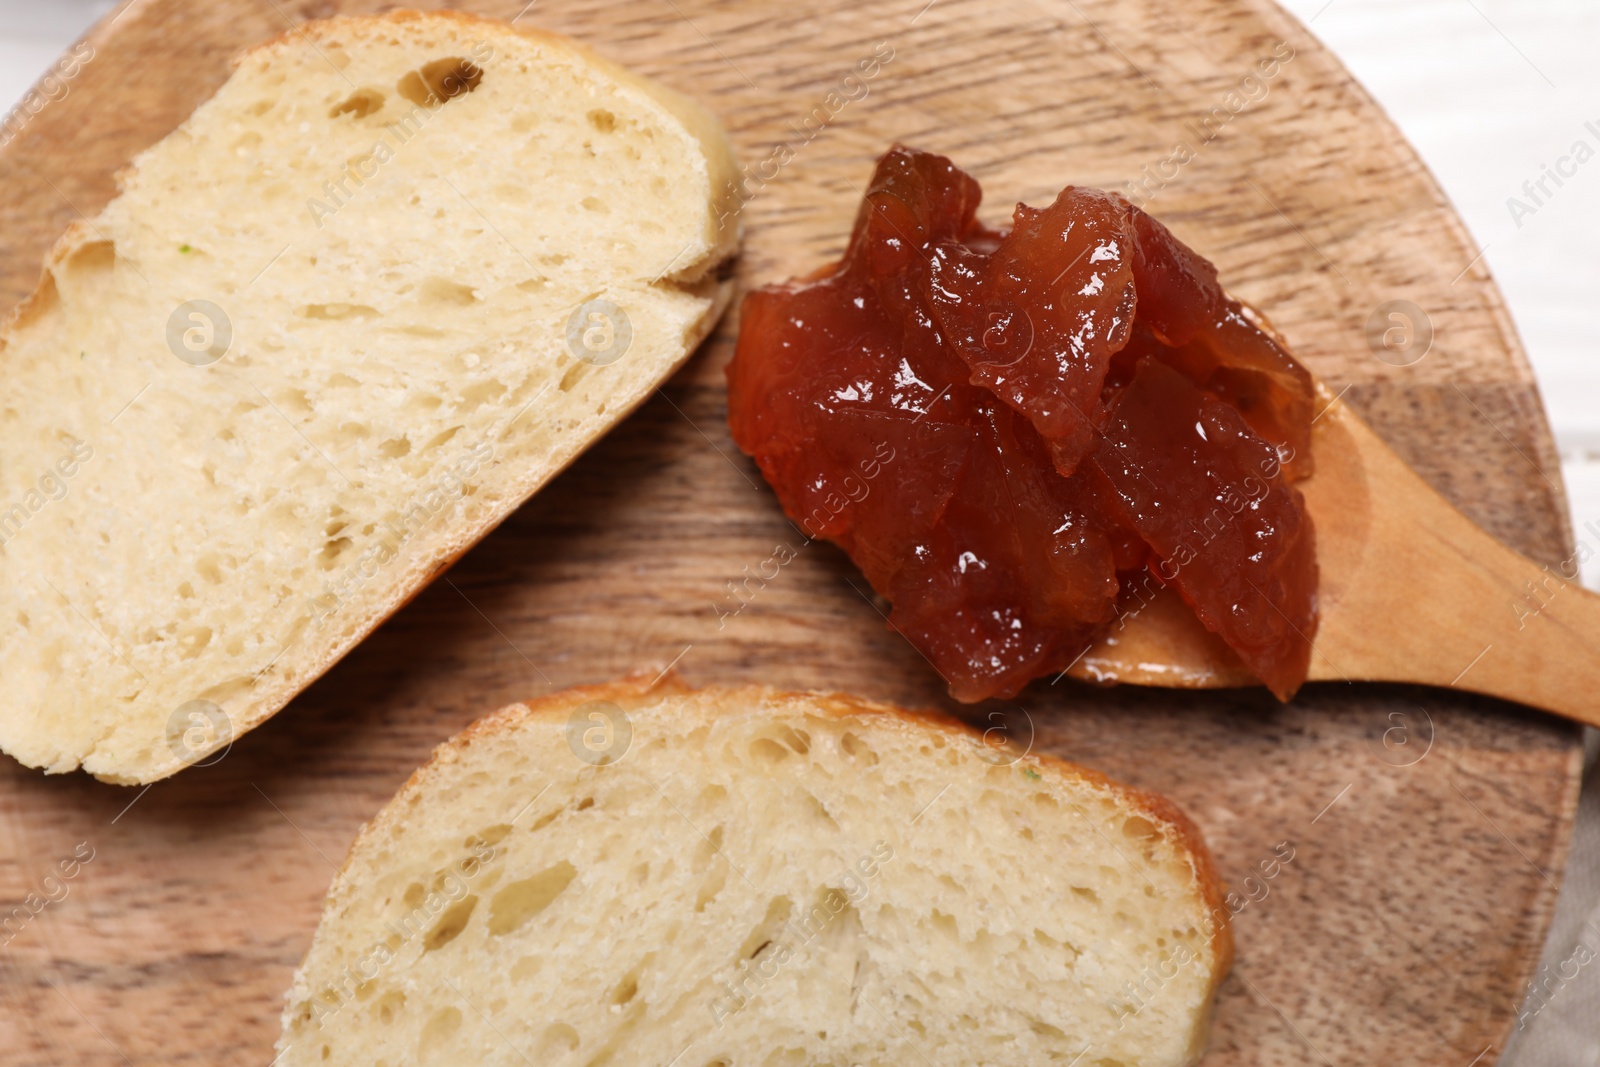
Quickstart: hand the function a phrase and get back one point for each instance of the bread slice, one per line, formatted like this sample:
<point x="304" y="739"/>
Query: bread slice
<point x="394" y="276"/>
<point x="627" y="876"/>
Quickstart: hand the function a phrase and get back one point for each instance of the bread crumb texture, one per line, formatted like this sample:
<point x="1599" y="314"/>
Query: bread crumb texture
<point x="396" y="274"/>
<point x="748" y="878"/>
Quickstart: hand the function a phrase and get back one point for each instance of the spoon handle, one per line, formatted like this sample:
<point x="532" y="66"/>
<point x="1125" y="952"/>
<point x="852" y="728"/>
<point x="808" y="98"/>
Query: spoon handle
<point x="1422" y="594"/>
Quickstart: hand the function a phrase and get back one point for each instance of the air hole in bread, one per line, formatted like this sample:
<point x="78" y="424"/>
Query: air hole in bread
<point x="437" y="1032"/>
<point x="297" y="401"/>
<point x="766" y="750"/>
<point x="558" y="1037"/>
<point x="708" y="849"/>
<point x="332" y="549"/>
<point x="779" y="909"/>
<point x="626" y="989"/>
<point x="339" y="312"/>
<point x="602" y="120"/>
<point x="574" y="375"/>
<point x="440" y="439"/>
<point x="395" y="447"/>
<point x="514" y="905"/>
<point x="439" y="80"/>
<point x="94" y="257"/>
<point x="475" y="396"/>
<point x="361" y="103"/>
<point x="1044" y="1029"/>
<point x="450" y="924"/>
<point x="821" y="812"/>
<point x="351" y="432"/>
<point x="1142" y="831"/>
<point x="209" y="567"/>
<point x="858" y="749"/>
<point x="714" y="883"/>
<point x="192" y="640"/>
<point x="443" y="291"/>
<point x="389" y="1006"/>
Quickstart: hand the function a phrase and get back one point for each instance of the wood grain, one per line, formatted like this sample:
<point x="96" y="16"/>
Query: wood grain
<point x="1429" y="829"/>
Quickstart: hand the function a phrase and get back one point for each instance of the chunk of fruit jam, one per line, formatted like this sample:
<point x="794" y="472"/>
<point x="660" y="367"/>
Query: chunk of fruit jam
<point x="1003" y="428"/>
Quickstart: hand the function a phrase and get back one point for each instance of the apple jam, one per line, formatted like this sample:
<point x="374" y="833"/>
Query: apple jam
<point x="1004" y="428"/>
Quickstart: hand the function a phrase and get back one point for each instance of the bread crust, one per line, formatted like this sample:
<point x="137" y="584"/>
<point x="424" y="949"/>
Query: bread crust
<point x="1179" y="829"/>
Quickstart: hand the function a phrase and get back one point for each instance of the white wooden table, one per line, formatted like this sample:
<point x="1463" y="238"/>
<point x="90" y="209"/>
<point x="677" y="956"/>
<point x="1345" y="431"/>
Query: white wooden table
<point x="1496" y="95"/>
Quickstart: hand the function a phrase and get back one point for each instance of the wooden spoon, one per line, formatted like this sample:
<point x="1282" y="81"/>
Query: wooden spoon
<point x="1411" y="590"/>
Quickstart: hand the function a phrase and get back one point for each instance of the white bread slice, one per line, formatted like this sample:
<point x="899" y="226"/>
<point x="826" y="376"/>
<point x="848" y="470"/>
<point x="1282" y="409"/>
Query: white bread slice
<point x="746" y="877"/>
<point x="407" y="282"/>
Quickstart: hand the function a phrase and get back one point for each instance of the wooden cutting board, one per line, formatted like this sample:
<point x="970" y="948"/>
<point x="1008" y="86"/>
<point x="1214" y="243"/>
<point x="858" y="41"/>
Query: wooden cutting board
<point x="1428" y="830"/>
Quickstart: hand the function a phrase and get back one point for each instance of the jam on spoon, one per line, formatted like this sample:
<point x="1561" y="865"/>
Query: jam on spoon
<point x="1057" y="412"/>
